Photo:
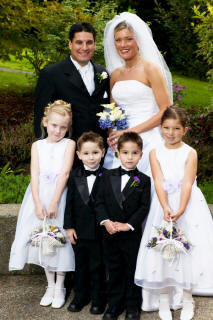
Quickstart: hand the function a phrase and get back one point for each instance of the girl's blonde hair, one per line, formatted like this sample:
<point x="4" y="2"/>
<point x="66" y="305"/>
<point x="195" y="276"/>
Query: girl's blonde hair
<point x="60" y="107"/>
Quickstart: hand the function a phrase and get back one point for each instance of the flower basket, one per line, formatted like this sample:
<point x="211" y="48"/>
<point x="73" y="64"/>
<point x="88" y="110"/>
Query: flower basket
<point x="170" y="241"/>
<point x="47" y="238"/>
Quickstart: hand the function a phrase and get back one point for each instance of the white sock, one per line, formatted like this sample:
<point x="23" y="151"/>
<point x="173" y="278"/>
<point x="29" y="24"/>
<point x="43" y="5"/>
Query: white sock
<point x="50" y="278"/>
<point x="187" y="312"/>
<point x="187" y="295"/>
<point x="60" y="279"/>
<point x="164" y="308"/>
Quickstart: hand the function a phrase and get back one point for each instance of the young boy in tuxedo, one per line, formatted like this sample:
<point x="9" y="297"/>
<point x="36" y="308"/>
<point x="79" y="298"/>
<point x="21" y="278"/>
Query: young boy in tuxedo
<point x="122" y="203"/>
<point x="81" y="225"/>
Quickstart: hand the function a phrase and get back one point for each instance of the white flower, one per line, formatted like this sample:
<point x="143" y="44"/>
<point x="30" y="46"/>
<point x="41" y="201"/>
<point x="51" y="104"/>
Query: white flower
<point x="109" y="105"/>
<point x="102" y="115"/>
<point x="104" y="75"/>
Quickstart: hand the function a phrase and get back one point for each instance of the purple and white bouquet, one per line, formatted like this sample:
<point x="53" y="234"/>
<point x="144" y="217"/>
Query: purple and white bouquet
<point x="113" y="117"/>
<point x="170" y="240"/>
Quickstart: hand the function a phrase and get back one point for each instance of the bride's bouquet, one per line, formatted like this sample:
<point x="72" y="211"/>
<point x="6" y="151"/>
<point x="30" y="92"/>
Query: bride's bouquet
<point x="112" y="117"/>
<point x="170" y="240"/>
<point x="47" y="238"/>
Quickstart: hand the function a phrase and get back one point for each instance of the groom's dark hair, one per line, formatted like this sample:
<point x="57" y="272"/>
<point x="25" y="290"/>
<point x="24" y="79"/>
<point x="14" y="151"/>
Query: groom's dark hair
<point x="80" y="27"/>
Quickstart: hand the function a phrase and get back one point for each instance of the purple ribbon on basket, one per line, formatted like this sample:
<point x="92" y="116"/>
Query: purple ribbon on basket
<point x="172" y="186"/>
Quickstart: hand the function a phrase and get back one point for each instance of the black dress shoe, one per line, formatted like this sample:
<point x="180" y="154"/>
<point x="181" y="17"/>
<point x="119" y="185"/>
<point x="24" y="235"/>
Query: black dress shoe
<point x="111" y="314"/>
<point x="97" y="309"/>
<point x="132" y="315"/>
<point x="75" y="306"/>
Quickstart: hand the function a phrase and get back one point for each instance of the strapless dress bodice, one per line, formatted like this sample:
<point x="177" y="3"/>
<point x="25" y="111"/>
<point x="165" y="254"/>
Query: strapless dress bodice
<point x="136" y="98"/>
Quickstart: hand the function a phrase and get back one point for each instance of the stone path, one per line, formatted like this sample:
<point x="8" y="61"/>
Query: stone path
<point x="15" y="71"/>
<point x="20" y="296"/>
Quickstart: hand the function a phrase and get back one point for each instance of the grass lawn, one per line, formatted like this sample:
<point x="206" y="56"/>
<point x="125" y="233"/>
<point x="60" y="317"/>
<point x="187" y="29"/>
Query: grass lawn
<point x="16" y="64"/>
<point x="197" y="92"/>
<point x="16" y="82"/>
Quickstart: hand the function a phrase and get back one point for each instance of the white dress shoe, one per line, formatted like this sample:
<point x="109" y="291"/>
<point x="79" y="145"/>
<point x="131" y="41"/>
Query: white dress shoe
<point x="59" y="298"/>
<point x="187" y="313"/>
<point x="164" y="308"/>
<point x="165" y="315"/>
<point x="47" y="297"/>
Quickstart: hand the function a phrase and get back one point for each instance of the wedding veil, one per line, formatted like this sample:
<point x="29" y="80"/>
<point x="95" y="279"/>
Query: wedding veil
<point x="147" y="47"/>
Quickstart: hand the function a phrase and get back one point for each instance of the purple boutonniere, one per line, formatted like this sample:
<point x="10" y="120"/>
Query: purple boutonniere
<point x="100" y="174"/>
<point x="136" y="182"/>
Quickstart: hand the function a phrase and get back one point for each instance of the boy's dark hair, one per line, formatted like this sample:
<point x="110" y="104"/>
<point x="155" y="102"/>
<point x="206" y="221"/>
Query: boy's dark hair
<point x="177" y="113"/>
<point x="80" y="27"/>
<point x="130" y="136"/>
<point x="90" y="137"/>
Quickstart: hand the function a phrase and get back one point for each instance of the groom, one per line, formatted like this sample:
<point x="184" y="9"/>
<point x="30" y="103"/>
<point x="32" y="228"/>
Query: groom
<point x="76" y="80"/>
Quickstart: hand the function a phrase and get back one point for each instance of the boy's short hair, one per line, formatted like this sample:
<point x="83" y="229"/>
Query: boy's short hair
<point x="90" y="137"/>
<point x="130" y="136"/>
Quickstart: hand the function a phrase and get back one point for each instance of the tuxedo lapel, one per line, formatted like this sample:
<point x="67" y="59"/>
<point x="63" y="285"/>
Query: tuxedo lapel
<point x="116" y="187"/>
<point x="73" y="75"/>
<point x="81" y="184"/>
<point x="127" y="191"/>
<point x="98" y="83"/>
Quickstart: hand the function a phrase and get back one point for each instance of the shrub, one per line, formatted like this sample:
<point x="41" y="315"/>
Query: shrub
<point x="13" y="187"/>
<point x="200" y="137"/>
<point x="15" y="144"/>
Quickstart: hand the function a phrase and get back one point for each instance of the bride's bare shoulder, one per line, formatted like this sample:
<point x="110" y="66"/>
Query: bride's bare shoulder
<point x="116" y="74"/>
<point x="150" y="67"/>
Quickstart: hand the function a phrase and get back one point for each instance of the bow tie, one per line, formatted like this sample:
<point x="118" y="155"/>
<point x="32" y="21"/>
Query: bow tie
<point x="130" y="173"/>
<point x="87" y="173"/>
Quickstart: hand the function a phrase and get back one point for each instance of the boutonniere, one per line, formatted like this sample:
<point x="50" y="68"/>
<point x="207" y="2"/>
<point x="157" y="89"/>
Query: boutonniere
<point x="100" y="174"/>
<point x="136" y="182"/>
<point x="102" y="76"/>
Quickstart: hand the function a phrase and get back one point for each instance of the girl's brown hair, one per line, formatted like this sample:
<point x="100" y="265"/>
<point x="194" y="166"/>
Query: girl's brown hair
<point x="177" y="113"/>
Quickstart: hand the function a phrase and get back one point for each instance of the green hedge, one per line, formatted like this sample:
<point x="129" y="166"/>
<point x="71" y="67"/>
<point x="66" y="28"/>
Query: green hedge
<point x="13" y="187"/>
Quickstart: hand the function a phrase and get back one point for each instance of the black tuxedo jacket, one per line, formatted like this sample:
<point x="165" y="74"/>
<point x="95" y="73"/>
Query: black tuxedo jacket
<point x="129" y="206"/>
<point x="79" y="211"/>
<point x="63" y="81"/>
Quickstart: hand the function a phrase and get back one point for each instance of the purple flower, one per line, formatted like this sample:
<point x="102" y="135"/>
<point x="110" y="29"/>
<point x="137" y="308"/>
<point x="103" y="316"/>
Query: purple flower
<point x="176" y="88"/>
<point x="179" y="97"/>
<point x="196" y="141"/>
<point x="100" y="174"/>
<point x="201" y="116"/>
<point x="137" y="179"/>
<point x="186" y="245"/>
<point x="184" y="86"/>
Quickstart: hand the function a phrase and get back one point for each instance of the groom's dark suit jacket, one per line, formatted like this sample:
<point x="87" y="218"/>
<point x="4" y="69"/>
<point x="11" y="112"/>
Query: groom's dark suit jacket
<point x="63" y="81"/>
<point x="129" y="206"/>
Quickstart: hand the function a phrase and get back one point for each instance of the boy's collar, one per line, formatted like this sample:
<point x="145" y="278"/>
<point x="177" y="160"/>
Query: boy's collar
<point x="90" y="169"/>
<point x="127" y="168"/>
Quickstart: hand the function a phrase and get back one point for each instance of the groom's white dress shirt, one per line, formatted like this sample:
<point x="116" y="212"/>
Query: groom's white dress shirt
<point x="87" y="74"/>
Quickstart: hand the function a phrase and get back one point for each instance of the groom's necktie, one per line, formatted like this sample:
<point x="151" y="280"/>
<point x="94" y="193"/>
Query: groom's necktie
<point x="87" y="77"/>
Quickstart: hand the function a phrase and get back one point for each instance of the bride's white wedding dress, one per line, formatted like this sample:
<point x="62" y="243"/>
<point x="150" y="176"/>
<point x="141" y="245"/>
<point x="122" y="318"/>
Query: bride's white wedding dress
<point x="138" y="100"/>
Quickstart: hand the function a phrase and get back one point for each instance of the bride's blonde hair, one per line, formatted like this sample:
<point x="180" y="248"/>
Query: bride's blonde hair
<point x="123" y="25"/>
<point x="60" y="107"/>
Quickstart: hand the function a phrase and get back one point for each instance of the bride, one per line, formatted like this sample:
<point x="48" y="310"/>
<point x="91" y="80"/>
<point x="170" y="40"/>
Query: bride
<point x="140" y="83"/>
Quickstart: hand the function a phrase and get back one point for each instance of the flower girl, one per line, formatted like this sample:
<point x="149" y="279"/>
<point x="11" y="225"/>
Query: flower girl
<point x="177" y="246"/>
<point x="45" y="198"/>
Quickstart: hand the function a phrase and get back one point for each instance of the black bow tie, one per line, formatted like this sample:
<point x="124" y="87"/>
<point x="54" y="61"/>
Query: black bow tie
<point x="87" y="173"/>
<point x="130" y="173"/>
